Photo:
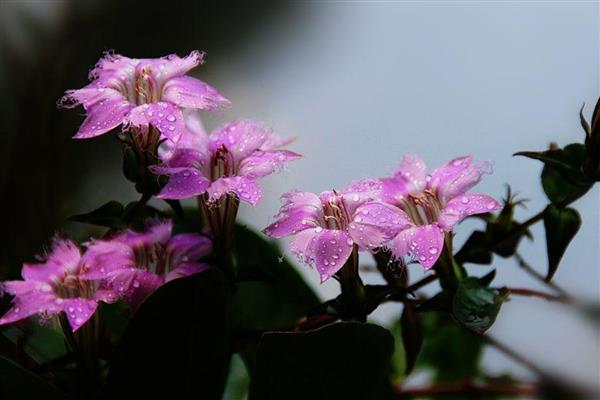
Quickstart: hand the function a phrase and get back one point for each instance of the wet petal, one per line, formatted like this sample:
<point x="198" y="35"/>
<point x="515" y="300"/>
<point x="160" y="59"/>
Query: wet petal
<point x="357" y="193"/>
<point x="329" y="251"/>
<point x="165" y="117"/>
<point x="79" y="311"/>
<point x="189" y="92"/>
<point x="104" y="257"/>
<point x="194" y="138"/>
<point x="394" y="189"/>
<point x="134" y="285"/>
<point x="376" y="223"/>
<point x="188" y="247"/>
<point x="30" y="299"/>
<point x="113" y="67"/>
<point x="464" y="205"/>
<point x="300" y="211"/>
<point x="424" y="242"/>
<point x="300" y="245"/>
<point x="456" y="177"/>
<point x="186" y="269"/>
<point x="241" y="138"/>
<point x="103" y="116"/>
<point x="274" y="142"/>
<point x="172" y="66"/>
<point x="63" y="258"/>
<point x="158" y="231"/>
<point x="413" y="170"/>
<point x="263" y="163"/>
<point x="184" y="184"/>
<point x="244" y="188"/>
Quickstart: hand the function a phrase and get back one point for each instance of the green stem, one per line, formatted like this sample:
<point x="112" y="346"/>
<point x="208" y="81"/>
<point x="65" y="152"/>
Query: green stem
<point x="353" y="289"/>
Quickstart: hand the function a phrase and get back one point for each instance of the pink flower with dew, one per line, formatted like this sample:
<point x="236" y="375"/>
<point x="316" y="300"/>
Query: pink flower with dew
<point x="228" y="161"/>
<point x="134" y="264"/>
<point x="141" y="92"/>
<point x="434" y="203"/>
<point x="54" y="286"/>
<point x="327" y="227"/>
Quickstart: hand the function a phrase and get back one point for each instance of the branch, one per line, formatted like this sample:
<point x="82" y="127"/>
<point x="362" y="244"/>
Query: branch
<point x="535" y="293"/>
<point x="470" y="389"/>
<point x="531" y="271"/>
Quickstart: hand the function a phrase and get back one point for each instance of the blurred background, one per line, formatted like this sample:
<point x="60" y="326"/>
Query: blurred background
<point x="360" y="84"/>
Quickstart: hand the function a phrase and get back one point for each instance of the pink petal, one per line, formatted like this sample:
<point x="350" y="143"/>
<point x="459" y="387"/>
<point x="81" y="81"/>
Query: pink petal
<point x="63" y="259"/>
<point x="79" y="311"/>
<point x="189" y="92"/>
<point x="358" y="193"/>
<point x="329" y="251"/>
<point x="456" y="177"/>
<point x="28" y="304"/>
<point x="104" y="116"/>
<point x="134" y="285"/>
<point x="244" y="188"/>
<point x="188" y="247"/>
<point x="172" y="66"/>
<point x="159" y="231"/>
<point x="241" y="138"/>
<point x="181" y="160"/>
<point x="394" y="189"/>
<point x="114" y="66"/>
<point x="184" y="184"/>
<point x="300" y="245"/>
<point x="423" y="242"/>
<point x="300" y="211"/>
<point x="464" y="205"/>
<point x="166" y="117"/>
<point x="274" y="142"/>
<point x="186" y="269"/>
<point x="413" y="170"/>
<point x="376" y="223"/>
<point x="193" y="138"/>
<point x="263" y="163"/>
<point x="104" y="257"/>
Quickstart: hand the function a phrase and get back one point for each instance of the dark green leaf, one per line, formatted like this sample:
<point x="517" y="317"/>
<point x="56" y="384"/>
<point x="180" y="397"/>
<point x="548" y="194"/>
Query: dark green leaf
<point x="412" y="335"/>
<point x="131" y="168"/>
<point x="441" y="302"/>
<point x="561" y="226"/>
<point x="108" y="215"/>
<point x="451" y="351"/>
<point x="41" y="343"/>
<point x="178" y="344"/>
<point x="475" y="250"/>
<point x="18" y="383"/>
<point x="488" y="278"/>
<point x="475" y="305"/>
<point x="341" y="361"/>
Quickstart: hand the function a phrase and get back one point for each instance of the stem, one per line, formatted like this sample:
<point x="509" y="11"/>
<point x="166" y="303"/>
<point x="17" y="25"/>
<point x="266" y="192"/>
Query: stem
<point x="353" y="289"/>
<point x="470" y="389"/>
<point x="445" y="266"/>
<point x="513" y="354"/>
<point x="529" y="269"/>
<point x="130" y="214"/>
<point x="535" y="293"/>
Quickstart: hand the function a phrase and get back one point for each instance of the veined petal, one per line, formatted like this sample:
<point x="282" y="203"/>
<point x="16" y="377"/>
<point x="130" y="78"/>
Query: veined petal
<point x="165" y="117"/>
<point x="79" y="311"/>
<point x="188" y="247"/>
<point x="194" y="138"/>
<point x="464" y="205"/>
<point x="394" y="189"/>
<point x="241" y="138"/>
<point x="292" y="222"/>
<point x="424" y="242"/>
<point x="329" y="251"/>
<point x="300" y="245"/>
<point x="243" y="187"/>
<point x="186" y="269"/>
<point x="189" y="92"/>
<point x="358" y="193"/>
<point x="114" y="66"/>
<point x="134" y="285"/>
<point x="375" y="223"/>
<point x="263" y="163"/>
<point x="63" y="259"/>
<point x="184" y="184"/>
<point x="104" y="116"/>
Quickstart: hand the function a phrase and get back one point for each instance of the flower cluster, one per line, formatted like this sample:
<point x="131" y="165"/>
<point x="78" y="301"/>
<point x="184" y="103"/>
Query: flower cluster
<point x="128" y="266"/>
<point x="408" y="213"/>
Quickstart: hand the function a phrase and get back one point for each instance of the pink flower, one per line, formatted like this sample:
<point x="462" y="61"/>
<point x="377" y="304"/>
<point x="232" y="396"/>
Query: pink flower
<point x="327" y="227"/>
<point x="141" y="92"/>
<point x="229" y="160"/>
<point x="54" y="286"/>
<point x="135" y="264"/>
<point x="433" y="204"/>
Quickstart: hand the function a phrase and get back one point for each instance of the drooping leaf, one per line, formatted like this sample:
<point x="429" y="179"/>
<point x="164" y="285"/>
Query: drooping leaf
<point x="488" y="278"/>
<point x="341" y="361"/>
<point x="412" y="335"/>
<point x="561" y="226"/>
<point x="42" y="343"/>
<point x="108" y="215"/>
<point x="178" y="343"/>
<point x="18" y="383"/>
<point x="475" y="250"/>
<point x="475" y="305"/>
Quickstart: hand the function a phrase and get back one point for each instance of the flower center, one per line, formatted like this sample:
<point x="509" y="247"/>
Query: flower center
<point x="72" y="287"/>
<point x="153" y="258"/>
<point x="335" y="213"/>
<point x="221" y="163"/>
<point x="146" y="87"/>
<point x="423" y="208"/>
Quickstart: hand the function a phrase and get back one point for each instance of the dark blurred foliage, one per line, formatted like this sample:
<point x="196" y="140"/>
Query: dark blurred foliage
<point x="42" y="169"/>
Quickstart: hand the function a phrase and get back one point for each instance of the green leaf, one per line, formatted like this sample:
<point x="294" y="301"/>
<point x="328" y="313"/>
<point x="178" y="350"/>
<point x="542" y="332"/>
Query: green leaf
<point x="275" y="296"/>
<point x="452" y="352"/>
<point x="18" y="383"/>
<point x="412" y="335"/>
<point x="108" y="215"/>
<point x="341" y="361"/>
<point x="42" y="343"/>
<point x="178" y="343"/>
<point x="475" y="250"/>
<point x="475" y="305"/>
<point x="561" y="226"/>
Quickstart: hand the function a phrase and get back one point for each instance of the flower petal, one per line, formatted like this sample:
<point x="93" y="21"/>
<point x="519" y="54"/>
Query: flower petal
<point x="189" y="92"/>
<point x="329" y="251"/>
<point x="457" y="176"/>
<point x="30" y="298"/>
<point x="423" y="242"/>
<point x="274" y="142"/>
<point x="300" y="211"/>
<point x="263" y="163"/>
<point x="186" y="269"/>
<point x="171" y="66"/>
<point x="184" y="184"/>
<point x="159" y="231"/>
<point x="464" y="205"/>
<point x="103" y="116"/>
<point x="241" y="138"/>
<point x="244" y="188"/>
<point x="166" y="117"/>
<point x="63" y="259"/>
<point x="104" y="257"/>
<point x="194" y="138"/>
<point x="357" y="193"/>
<point x="375" y="223"/>
<point x="188" y="246"/>
<point x="79" y="311"/>
<point x="413" y="170"/>
<point x="134" y="285"/>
